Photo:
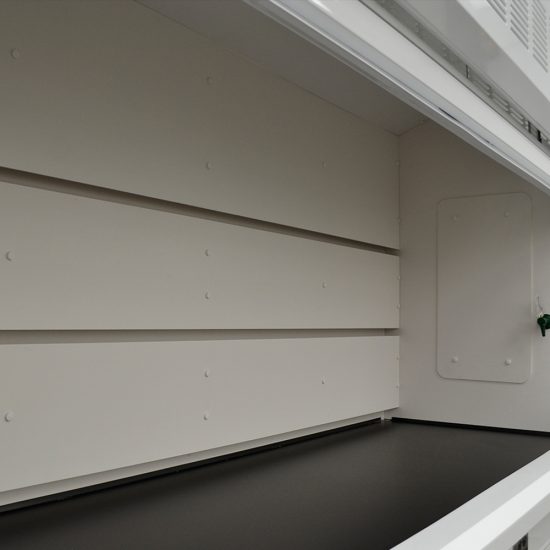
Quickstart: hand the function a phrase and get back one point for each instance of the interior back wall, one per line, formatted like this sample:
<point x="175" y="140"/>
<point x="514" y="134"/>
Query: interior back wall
<point x="484" y="361"/>
<point x="196" y="254"/>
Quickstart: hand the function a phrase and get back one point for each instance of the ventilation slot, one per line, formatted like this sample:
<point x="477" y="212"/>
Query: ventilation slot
<point x="540" y="34"/>
<point x="528" y="21"/>
<point x="500" y="7"/>
<point x="519" y="21"/>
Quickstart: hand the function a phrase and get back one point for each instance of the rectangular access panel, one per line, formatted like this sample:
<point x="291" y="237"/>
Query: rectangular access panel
<point x="485" y="320"/>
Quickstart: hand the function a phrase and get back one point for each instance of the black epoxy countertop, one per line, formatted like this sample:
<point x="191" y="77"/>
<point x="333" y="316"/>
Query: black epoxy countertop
<point x="367" y="488"/>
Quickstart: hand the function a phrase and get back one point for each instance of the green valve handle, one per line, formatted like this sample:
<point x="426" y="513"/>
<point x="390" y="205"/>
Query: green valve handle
<point x="544" y="323"/>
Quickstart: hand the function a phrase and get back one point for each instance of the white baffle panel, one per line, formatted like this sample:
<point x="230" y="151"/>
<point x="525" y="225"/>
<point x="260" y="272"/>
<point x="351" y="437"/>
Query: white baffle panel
<point x="73" y="263"/>
<point x="83" y="408"/>
<point x="485" y="321"/>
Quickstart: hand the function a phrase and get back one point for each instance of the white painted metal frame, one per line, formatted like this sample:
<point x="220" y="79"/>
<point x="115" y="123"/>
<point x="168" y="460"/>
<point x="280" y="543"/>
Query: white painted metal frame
<point x="365" y="41"/>
<point x="473" y="28"/>
<point x="497" y="518"/>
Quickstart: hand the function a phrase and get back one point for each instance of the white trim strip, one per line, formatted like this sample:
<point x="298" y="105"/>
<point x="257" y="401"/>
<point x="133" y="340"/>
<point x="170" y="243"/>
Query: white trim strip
<point x="497" y="518"/>
<point x="362" y="39"/>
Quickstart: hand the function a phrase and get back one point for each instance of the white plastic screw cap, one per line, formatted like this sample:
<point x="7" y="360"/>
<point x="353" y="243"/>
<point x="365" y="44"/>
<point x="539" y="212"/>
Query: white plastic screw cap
<point x="206" y="416"/>
<point x="454" y="359"/>
<point x="9" y="416"/>
<point x="9" y="256"/>
<point x="15" y="53"/>
<point x="508" y="362"/>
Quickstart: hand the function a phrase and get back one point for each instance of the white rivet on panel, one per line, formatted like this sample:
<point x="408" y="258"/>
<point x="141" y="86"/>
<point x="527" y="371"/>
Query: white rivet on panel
<point x="207" y="373"/>
<point x="15" y="53"/>
<point x="206" y="415"/>
<point x="456" y="218"/>
<point x="506" y="214"/>
<point x="9" y="256"/>
<point x="324" y="164"/>
<point x="324" y="284"/>
<point x="454" y="359"/>
<point x="323" y="381"/>
<point x="9" y="416"/>
<point x="209" y="80"/>
<point x="208" y="165"/>
<point x="207" y="295"/>
<point x="508" y="362"/>
<point x="207" y="252"/>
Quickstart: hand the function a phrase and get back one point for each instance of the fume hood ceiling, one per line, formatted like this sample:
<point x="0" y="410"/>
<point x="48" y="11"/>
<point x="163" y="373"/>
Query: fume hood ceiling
<point x="239" y="27"/>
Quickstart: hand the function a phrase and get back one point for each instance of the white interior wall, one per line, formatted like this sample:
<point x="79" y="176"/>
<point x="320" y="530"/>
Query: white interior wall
<point x="435" y="166"/>
<point x="114" y="266"/>
<point x="109" y="405"/>
<point x="100" y="376"/>
<point x="115" y="95"/>
<point x="241" y="27"/>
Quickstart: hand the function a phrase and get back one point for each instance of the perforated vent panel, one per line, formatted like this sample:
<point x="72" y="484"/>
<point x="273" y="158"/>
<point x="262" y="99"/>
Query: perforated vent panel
<point x="528" y="20"/>
<point x="540" y="33"/>
<point x="500" y="7"/>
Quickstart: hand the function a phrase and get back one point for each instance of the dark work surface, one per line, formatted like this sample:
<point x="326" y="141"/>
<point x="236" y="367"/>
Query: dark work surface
<point x="365" y="488"/>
